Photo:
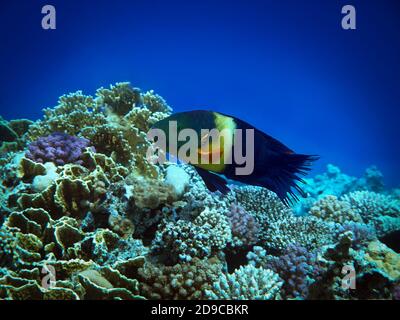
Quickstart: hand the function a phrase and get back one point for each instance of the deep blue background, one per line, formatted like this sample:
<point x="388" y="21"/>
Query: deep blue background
<point x="285" y="66"/>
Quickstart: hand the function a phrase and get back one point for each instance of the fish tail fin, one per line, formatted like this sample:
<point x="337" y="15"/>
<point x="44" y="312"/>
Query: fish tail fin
<point x="284" y="177"/>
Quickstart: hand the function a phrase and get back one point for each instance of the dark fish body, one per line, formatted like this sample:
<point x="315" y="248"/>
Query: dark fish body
<point x="276" y="167"/>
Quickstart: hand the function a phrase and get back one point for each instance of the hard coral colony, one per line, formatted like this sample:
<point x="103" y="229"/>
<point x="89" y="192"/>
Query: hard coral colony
<point x="81" y="202"/>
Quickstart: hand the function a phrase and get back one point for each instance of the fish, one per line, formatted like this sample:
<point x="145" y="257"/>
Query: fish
<point x="274" y="165"/>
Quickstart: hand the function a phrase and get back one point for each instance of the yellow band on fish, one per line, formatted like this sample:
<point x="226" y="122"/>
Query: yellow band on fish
<point x="219" y="147"/>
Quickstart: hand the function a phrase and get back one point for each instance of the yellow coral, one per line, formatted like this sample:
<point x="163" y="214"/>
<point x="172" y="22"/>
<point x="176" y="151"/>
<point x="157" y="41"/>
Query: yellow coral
<point x="385" y="258"/>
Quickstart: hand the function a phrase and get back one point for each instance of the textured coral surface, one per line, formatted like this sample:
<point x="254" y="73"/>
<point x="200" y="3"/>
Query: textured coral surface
<point x="85" y="214"/>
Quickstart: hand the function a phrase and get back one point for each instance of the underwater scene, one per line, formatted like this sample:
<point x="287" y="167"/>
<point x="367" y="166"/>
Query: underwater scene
<point x="94" y="207"/>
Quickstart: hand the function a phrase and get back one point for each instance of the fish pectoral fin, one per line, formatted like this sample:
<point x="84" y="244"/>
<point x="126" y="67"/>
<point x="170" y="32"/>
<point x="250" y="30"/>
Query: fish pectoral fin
<point x="213" y="181"/>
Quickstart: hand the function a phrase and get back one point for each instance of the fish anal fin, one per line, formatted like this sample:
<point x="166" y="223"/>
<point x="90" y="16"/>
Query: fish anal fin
<point x="213" y="182"/>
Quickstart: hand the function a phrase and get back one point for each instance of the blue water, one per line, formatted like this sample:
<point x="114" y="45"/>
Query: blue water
<point x="285" y="66"/>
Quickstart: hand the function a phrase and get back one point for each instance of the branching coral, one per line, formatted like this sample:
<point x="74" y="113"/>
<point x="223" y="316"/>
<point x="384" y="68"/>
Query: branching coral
<point x="74" y="112"/>
<point x="331" y="209"/>
<point x="181" y="281"/>
<point x="244" y="226"/>
<point x="246" y="283"/>
<point x="377" y="209"/>
<point x="59" y="148"/>
<point x="332" y="182"/>
<point x="120" y="98"/>
<point x="297" y="267"/>
<point x="205" y="236"/>
<point x="278" y="226"/>
<point x="362" y="233"/>
<point x="123" y="137"/>
<point x="335" y="183"/>
<point x="371" y="205"/>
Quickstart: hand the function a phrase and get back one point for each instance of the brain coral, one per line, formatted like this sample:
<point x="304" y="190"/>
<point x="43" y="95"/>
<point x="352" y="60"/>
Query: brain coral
<point x="246" y="283"/>
<point x="59" y="148"/>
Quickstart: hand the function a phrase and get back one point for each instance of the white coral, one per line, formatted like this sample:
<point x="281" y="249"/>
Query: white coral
<point x="247" y="283"/>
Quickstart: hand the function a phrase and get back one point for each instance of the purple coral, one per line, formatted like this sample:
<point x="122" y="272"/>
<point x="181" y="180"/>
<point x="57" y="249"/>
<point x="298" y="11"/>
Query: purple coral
<point x="297" y="267"/>
<point x="362" y="233"/>
<point x="243" y="225"/>
<point x="59" y="148"/>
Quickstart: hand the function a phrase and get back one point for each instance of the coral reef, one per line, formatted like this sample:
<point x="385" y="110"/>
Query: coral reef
<point x="85" y="214"/>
